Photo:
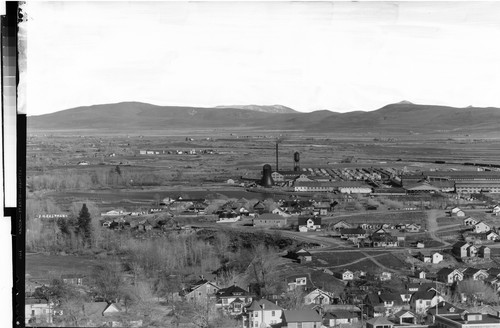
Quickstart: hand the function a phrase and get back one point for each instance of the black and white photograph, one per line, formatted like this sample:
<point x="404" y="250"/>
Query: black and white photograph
<point x="250" y="164"/>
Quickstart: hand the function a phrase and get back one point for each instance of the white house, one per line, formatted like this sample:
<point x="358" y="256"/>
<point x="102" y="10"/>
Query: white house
<point x="318" y="296"/>
<point x="262" y="313"/>
<point x="481" y="227"/>
<point x="470" y="221"/>
<point x="309" y="223"/>
<point x="437" y="258"/>
<point x="38" y="311"/>
<point x="422" y="300"/>
<point x="495" y="210"/>
<point x="347" y="275"/>
<point x="280" y="212"/>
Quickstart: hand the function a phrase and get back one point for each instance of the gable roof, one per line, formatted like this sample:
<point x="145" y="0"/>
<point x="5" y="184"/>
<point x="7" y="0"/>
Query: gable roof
<point x="304" y="315"/>
<point x="444" y="308"/>
<point x="95" y="308"/>
<point x="340" y="314"/>
<point x="263" y="304"/>
<point x="380" y="321"/>
<point x="423" y="295"/>
<point x="232" y="291"/>
<point x="352" y="231"/>
<point x="403" y="312"/>
<point x="303" y="220"/>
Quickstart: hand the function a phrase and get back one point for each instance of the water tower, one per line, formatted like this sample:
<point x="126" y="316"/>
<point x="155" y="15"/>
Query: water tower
<point x="296" y="161"/>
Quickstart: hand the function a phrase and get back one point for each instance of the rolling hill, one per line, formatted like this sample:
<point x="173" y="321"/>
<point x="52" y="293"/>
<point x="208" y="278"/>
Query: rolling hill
<point x="400" y="117"/>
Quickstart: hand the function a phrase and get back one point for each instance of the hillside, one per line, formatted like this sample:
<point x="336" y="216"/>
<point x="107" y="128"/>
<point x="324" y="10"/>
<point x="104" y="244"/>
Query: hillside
<point x="400" y="117"/>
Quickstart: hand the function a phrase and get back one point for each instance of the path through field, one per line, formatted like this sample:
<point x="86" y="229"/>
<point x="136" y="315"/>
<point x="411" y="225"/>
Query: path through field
<point x="432" y="225"/>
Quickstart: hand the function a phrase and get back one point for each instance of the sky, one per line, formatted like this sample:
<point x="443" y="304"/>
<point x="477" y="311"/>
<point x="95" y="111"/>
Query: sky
<point x="340" y="56"/>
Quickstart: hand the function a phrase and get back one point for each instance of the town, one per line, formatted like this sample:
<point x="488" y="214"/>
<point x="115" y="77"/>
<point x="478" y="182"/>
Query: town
<point x="353" y="243"/>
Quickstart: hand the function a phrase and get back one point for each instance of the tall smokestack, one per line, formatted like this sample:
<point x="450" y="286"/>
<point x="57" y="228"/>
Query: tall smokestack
<point x="277" y="156"/>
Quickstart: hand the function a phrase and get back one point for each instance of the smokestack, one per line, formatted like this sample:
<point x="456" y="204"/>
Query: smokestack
<point x="277" y="156"/>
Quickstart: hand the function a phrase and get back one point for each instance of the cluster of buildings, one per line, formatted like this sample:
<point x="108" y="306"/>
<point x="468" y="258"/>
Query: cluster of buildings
<point x="382" y="181"/>
<point x="176" y="152"/>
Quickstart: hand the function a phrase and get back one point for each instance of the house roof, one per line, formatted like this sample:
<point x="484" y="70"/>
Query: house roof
<point x="445" y="271"/>
<point x="316" y="219"/>
<point x="352" y="231"/>
<point x="403" y="312"/>
<point x="423" y="295"/>
<point x="263" y="304"/>
<point x="304" y="315"/>
<point x="380" y="321"/>
<point x="340" y="314"/>
<point x="303" y="252"/>
<point x="444" y="308"/>
<point x="95" y="308"/>
<point x="270" y="216"/>
<point x="460" y="244"/>
<point x="232" y="291"/>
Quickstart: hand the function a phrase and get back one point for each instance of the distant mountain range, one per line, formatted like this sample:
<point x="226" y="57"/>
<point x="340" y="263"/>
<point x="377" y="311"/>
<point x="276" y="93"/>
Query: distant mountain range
<point x="278" y="109"/>
<point x="400" y="117"/>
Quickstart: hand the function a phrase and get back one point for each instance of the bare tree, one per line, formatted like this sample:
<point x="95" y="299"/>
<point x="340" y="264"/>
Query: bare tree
<point x="477" y="291"/>
<point x="262" y="269"/>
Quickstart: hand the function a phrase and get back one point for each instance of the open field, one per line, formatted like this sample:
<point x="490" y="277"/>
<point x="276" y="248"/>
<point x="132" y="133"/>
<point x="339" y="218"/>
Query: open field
<point x="47" y="266"/>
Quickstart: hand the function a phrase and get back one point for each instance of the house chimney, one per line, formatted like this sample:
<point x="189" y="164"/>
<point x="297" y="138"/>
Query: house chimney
<point x="263" y="306"/>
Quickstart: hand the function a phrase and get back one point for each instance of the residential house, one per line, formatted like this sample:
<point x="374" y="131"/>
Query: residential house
<point x="421" y="300"/>
<point x="382" y="240"/>
<point x="405" y="317"/>
<point x="379" y="322"/>
<point x="437" y="258"/>
<point x="475" y="274"/>
<point x="280" y="212"/>
<point x="322" y="208"/>
<point x="495" y="210"/>
<point x="304" y="318"/>
<point x="481" y="227"/>
<point x="259" y="207"/>
<point x="38" y="311"/>
<point x="442" y="308"/>
<point x="262" y="313"/>
<point x="309" y="223"/>
<point x="201" y="291"/>
<point x="449" y="275"/>
<point x="470" y="221"/>
<point x="319" y="297"/>
<point x="228" y="217"/>
<point x="269" y="220"/>
<point x="345" y="275"/>
<point x="484" y="252"/>
<point x="233" y="299"/>
<point x="299" y="281"/>
<point x="433" y="258"/>
<point x="412" y="227"/>
<point x="353" y="234"/>
<point x="420" y="244"/>
<point x="420" y="274"/>
<point x="384" y="276"/>
<point x="341" y="225"/>
<point x="383" y="304"/>
<point x="73" y="279"/>
<point x="338" y="317"/>
<point x="463" y="249"/>
<point x="303" y="256"/>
